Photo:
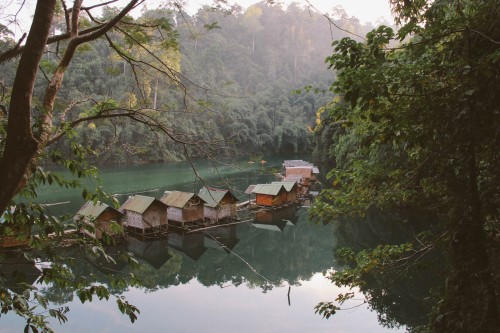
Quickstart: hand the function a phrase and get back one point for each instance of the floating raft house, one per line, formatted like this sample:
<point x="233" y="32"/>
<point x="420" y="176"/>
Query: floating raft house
<point x="219" y="204"/>
<point x="144" y="214"/>
<point x="100" y="217"/>
<point x="183" y="207"/>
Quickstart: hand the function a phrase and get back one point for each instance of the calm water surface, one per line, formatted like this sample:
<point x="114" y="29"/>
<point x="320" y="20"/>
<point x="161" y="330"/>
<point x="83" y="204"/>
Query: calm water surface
<point x="264" y="275"/>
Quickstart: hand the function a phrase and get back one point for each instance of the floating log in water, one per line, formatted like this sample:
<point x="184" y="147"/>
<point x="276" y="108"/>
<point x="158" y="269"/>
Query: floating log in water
<point x="147" y="191"/>
<point x="218" y="226"/>
<point x="245" y="204"/>
<point x="55" y="203"/>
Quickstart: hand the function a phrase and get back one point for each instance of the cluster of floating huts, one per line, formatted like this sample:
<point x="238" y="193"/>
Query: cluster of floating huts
<point x="147" y="215"/>
<point x="296" y="178"/>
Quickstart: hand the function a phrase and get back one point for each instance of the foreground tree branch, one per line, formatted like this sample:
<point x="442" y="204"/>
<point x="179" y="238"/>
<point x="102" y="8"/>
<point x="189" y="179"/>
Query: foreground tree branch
<point x="21" y="146"/>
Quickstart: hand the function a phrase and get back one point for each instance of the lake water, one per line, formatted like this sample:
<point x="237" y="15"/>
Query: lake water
<point x="257" y="276"/>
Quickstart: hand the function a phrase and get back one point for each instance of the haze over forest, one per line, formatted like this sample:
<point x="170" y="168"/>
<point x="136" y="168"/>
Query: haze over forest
<point x="239" y="70"/>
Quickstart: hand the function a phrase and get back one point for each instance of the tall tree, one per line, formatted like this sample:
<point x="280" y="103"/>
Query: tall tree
<point x="421" y="128"/>
<point x="30" y="127"/>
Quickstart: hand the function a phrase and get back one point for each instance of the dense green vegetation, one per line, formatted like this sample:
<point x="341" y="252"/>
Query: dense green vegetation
<point x="91" y="84"/>
<point x="413" y="126"/>
<point x="417" y="126"/>
<point x="236" y="73"/>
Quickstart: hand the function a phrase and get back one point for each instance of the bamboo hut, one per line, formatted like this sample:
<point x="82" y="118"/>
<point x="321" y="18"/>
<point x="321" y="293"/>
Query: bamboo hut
<point x="291" y="190"/>
<point x="183" y="207"/>
<point x="100" y="218"/>
<point x="306" y="170"/>
<point x="144" y="214"/>
<point x="269" y="195"/>
<point x="219" y="204"/>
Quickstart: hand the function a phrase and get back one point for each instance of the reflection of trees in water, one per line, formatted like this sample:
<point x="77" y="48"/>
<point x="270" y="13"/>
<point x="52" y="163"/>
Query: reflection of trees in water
<point x="401" y="295"/>
<point x="233" y="255"/>
<point x="15" y="270"/>
<point x="266" y="258"/>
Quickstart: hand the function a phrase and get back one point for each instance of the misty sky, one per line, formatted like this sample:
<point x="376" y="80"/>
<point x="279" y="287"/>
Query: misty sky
<point x="364" y="10"/>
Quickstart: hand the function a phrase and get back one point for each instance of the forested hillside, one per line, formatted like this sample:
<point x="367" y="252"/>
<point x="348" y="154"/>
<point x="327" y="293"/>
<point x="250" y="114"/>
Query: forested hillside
<point x="236" y="76"/>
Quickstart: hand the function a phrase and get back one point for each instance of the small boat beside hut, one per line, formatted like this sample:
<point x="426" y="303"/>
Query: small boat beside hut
<point x="219" y="204"/>
<point x="144" y="215"/>
<point x="99" y="218"/>
<point x="184" y="208"/>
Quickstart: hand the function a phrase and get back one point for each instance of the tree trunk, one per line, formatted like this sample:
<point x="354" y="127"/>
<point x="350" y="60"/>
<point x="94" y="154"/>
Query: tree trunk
<point x="469" y="303"/>
<point x="20" y="145"/>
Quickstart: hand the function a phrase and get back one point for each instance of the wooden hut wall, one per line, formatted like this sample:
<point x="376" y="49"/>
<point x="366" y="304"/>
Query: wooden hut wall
<point x="283" y="196"/>
<point x="228" y="200"/>
<point x="269" y="200"/>
<point x="220" y="212"/>
<point x="155" y="215"/>
<point x="305" y="172"/>
<point x="190" y="214"/>
<point x="263" y="199"/>
<point x="103" y="222"/>
<point x="174" y="214"/>
<point x="211" y="213"/>
<point x="229" y="210"/>
<point x="133" y="219"/>
<point x="292" y="195"/>
<point x="193" y="213"/>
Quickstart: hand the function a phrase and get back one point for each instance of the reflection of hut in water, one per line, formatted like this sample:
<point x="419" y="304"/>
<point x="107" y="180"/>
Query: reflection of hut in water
<point x="192" y="245"/>
<point x="144" y="214"/>
<point x="16" y="270"/>
<point x="110" y="267"/>
<point x="269" y="195"/>
<point x="153" y="251"/>
<point x="275" y="220"/>
<point x="183" y="207"/>
<point x="100" y="217"/>
<point x="221" y="238"/>
<point x="219" y="204"/>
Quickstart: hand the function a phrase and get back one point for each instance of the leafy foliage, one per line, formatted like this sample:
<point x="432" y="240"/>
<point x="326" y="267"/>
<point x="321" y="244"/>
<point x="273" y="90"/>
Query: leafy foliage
<point x="417" y="126"/>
